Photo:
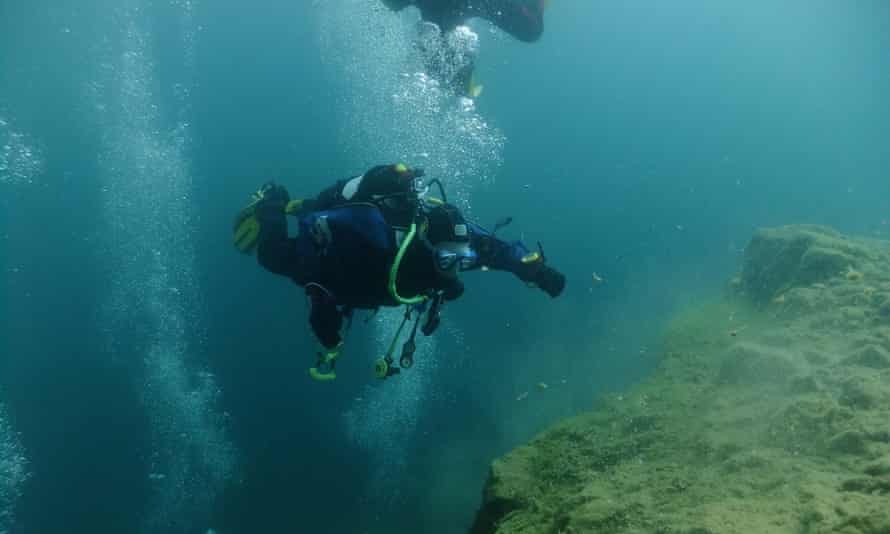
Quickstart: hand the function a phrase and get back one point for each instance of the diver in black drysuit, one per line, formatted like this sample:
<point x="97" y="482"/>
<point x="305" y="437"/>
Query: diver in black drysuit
<point x="453" y="64"/>
<point x="523" y="19"/>
<point x="349" y="236"/>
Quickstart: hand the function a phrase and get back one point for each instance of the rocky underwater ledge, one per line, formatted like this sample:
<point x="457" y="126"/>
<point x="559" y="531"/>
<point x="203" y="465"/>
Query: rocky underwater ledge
<point x="769" y="413"/>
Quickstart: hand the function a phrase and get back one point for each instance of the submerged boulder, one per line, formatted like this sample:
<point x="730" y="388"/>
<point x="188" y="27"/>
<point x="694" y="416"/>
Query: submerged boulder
<point x="778" y="259"/>
<point x="768" y="413"/>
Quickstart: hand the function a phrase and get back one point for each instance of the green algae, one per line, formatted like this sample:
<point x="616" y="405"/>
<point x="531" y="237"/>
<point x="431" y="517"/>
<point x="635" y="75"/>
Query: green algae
<point x="768" y="413"/>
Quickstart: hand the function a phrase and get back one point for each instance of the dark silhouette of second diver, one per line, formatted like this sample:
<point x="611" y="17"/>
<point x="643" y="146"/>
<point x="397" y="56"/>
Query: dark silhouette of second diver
<point x="449" y="48"/>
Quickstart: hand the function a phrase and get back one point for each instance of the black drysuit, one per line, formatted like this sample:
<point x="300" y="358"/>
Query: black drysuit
<point x="347" y="245"/>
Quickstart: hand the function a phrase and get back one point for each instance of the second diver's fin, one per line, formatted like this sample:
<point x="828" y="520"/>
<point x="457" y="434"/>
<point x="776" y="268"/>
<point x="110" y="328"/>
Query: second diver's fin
<point x="475" y="89"/>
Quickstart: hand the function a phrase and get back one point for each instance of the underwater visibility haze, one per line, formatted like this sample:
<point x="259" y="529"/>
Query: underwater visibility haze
<point x="154" y="380"/>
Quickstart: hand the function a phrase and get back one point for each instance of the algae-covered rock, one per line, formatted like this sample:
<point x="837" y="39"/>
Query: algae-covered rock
<point x="509" y="487"/>
<point x="806" y="423"/>
<point x="754" y="363"/>
<point x="871" y="356"/>
<point x="880" y="468"/>
<point x="778" y="259"/>
<point x="862" y="392"/>
<point x="801" y="384"/>
<point x="820" y="263"/>
<point x="768" y="413"/>
<point x="849" y="442"/>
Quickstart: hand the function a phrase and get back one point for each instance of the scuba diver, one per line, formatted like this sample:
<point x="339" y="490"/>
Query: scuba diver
<point x="374" y="240"/>
<point x="449" y="48"/>
<point x="523" y="19"/>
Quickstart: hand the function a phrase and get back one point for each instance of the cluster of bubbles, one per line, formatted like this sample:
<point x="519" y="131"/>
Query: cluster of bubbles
<point x="192" y="457"/>
<point x="13" y="472"/>
<point x="20" y="161"/>
<point x="188" y="33"/>
<point x="151" y="261"/>
<point x="385" y="419"/>
<point x="393" y="109"/>
<point x="447" y="56"/>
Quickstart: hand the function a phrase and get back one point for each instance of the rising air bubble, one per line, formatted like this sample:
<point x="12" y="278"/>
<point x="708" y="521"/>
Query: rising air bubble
<point x="20" y="162"/>
<point x="13" y="473"/>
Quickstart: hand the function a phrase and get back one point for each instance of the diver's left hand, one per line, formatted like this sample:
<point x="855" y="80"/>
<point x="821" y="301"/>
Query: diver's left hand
<point x="550" y="280"/>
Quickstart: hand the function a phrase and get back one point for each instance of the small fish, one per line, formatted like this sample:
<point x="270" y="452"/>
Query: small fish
<point x="596" y="279"/>
<point x="522" y="396"/>
<point x="542" y="386"/>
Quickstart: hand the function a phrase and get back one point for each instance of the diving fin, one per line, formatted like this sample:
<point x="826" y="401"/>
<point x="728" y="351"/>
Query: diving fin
<point x="475" y="90"/>
<point x="247" y="230"/>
